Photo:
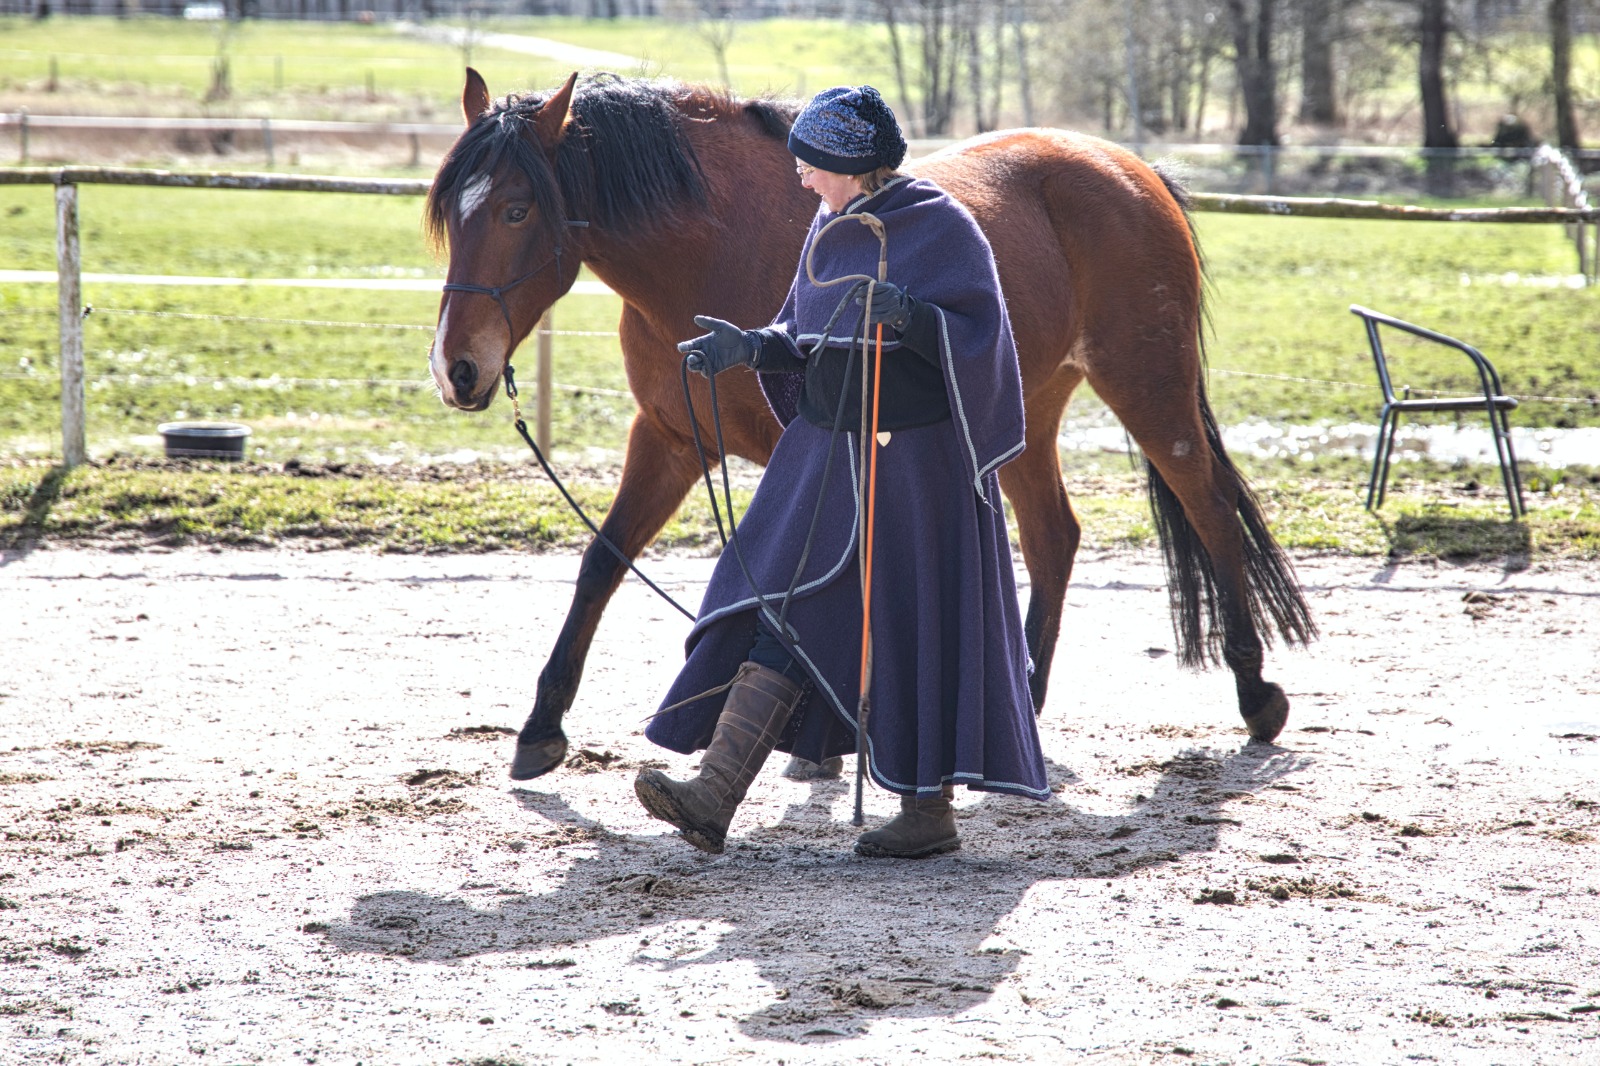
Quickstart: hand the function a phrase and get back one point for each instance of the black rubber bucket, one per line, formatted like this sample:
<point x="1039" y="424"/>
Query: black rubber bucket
<point x="204" y="440"/>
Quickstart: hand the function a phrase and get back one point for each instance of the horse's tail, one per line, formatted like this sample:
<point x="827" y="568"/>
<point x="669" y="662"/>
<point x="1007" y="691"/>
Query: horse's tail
<point x="1276" y="604"/>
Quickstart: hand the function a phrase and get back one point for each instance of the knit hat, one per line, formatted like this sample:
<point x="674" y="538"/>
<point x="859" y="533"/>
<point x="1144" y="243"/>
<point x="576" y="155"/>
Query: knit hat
<point x="847" y="131"/>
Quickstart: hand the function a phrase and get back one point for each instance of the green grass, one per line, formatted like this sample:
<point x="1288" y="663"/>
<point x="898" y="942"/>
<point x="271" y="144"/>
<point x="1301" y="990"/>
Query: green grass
<point x="1280" y="294"/>
<point x="325" y="69"/>
<point x="341" y="374"/>
<point x="490" y="507"/>
<point x="443" y="509"/>
<point x="319" y="70"/>
<point x="328" y="376"/>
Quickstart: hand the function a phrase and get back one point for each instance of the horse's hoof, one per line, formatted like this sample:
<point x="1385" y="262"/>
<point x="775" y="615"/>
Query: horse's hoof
<point x="805" y="770"/>
<point x="538" y="758"/>
<point x="1269" y="717"/>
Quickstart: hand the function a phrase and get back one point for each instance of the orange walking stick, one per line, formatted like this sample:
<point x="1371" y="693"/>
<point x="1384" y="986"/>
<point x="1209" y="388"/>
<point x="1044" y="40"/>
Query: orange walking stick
<point x="869" y="476"/>
<point x="864" y="703"/>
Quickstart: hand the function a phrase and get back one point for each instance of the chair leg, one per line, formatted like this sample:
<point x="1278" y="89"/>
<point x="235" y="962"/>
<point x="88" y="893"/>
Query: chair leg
<point x="1377" y="458"/>
<point x="1388" y="454"/>
<point x="1501" y="424"/>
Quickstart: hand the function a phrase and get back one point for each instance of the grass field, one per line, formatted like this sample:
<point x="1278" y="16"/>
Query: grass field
<point x="329" y="69"/>
<point x="373" y="67"/>
<point x="339" y="376"/>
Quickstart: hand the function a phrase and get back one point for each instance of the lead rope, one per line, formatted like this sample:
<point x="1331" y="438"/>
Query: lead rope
<point x="522" y="428"/>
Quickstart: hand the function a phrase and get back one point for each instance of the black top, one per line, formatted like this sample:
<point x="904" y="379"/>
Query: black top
<point x="913" y="379"/>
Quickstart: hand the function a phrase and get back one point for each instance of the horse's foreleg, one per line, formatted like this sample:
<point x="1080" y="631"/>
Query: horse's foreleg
<point x="656" y="475"/>
<point x="1048" y="532"/>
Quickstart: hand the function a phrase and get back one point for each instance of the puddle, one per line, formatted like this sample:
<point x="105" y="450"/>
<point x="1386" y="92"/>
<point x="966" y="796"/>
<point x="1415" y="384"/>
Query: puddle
<point x="1550" y="448"/>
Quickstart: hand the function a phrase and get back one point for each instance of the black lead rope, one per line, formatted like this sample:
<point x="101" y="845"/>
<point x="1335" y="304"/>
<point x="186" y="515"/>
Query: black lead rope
<point x="729" y="535"/>
<point x="522" y="428"/>
<point x="780" y="621"/>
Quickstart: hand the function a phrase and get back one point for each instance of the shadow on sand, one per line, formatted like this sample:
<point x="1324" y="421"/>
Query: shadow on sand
<point x="845" y="941"/>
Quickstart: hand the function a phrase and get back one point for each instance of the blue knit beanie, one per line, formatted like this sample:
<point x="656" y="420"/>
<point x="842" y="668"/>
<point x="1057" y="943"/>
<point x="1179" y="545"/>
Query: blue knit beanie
<point x="848" y="131"/>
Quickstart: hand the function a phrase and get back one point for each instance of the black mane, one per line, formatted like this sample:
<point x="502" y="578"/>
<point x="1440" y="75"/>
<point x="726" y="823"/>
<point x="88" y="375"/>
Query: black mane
<point x="624" y="162"/>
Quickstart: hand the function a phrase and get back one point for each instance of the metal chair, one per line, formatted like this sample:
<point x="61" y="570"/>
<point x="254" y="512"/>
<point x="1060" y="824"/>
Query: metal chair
<point x="1493" y="402"/>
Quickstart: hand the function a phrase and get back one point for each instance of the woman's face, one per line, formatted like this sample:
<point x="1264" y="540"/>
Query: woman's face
<point x="836" y="190"/>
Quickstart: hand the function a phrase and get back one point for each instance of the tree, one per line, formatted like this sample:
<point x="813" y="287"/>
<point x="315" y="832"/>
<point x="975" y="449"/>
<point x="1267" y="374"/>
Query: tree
<point x="713" y="22"/>
<point x="1434" y="27"/>
<point x="1560" y="13"/>
<point x="1439" y="139"/>
<point x="1319" y="101"/>
<point x="1252" y="25"/>
<point x="940" y="31"/>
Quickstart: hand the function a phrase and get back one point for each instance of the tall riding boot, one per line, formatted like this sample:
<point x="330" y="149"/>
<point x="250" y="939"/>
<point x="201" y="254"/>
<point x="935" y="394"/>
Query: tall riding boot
<point x="758" y="706"/>
<point x="925" y="826"/>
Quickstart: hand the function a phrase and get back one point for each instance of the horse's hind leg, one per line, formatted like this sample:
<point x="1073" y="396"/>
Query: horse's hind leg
<point x="656" y="476"/>
<point x="1226" y="575"/>
<point x="1047" y="529"/>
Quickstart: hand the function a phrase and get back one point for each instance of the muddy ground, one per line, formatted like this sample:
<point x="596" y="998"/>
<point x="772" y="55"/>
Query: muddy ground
<point x="254" y="809"/>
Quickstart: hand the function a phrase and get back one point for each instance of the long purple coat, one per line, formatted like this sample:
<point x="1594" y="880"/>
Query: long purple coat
<point x="949" y="698"/>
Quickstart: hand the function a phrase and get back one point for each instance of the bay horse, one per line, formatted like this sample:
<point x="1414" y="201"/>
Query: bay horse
<point x="684" y="200"/>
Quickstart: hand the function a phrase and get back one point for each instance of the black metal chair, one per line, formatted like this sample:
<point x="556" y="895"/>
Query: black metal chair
<point x="1493" y="402"/>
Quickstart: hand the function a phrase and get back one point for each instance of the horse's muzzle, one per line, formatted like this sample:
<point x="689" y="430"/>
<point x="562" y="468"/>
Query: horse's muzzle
<point x="463" y="376"/>
<point x="464" y="379"/>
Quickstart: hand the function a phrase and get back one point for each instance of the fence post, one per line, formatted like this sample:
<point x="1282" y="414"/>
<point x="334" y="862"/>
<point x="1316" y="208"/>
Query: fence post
<point x="22" y="141"/>
<point x="69" y="292"/>
<point x="542" y="422"/>
<point x="266" y="138"/>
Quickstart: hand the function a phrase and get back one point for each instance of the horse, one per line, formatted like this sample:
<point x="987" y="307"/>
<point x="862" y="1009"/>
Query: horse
<point x="684" y="200"/>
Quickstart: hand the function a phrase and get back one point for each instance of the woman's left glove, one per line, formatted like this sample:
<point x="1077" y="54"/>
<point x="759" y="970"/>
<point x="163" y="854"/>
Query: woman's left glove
<point x="891" y="305"/>
<point x="725" y="346"/>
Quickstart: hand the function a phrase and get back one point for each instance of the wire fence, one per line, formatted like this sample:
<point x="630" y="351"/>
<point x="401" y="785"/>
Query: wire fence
<point x="118" y="386"/>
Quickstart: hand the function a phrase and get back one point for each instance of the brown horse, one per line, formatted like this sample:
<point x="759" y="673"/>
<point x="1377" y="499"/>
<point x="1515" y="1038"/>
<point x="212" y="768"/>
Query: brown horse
<point x="685" y="201"/>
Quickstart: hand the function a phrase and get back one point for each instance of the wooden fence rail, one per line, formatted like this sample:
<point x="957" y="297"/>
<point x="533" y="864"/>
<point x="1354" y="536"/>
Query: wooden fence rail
<point x="69" y="265"/>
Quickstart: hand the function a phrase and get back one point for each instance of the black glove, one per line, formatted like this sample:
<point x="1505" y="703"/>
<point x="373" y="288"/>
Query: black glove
<point x="725" y="346"/>
<point x="890" y="305"/>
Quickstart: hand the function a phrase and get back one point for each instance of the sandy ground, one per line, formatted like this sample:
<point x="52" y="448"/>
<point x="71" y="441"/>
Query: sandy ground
<point x="254" y="809"/>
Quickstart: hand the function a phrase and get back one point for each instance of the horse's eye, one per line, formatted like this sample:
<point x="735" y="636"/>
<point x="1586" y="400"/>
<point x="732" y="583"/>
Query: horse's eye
<point x="516" y="214"/>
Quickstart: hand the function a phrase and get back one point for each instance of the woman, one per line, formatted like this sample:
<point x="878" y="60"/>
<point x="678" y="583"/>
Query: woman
<point x="949" y="695"/>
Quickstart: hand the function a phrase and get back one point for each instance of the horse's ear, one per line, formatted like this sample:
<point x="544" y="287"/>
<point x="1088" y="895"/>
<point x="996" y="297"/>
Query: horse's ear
<point x="475" y="97"/>
<point x="552" y="117"/>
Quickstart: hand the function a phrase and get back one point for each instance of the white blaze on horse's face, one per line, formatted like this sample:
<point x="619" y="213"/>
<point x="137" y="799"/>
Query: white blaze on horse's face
<point x="473" y="196"/>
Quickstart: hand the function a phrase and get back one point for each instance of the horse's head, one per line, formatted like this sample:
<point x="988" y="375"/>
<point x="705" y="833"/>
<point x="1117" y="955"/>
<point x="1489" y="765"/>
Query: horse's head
<point x="497" y="206"/>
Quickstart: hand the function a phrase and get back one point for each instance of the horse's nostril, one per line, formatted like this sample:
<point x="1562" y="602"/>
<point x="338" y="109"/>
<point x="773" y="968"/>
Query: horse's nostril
<point x="463" y="375"/>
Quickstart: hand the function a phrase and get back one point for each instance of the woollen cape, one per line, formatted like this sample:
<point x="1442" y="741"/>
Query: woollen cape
<point x="949" y="697"/>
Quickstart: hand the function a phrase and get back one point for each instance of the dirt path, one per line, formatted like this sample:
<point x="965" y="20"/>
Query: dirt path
<point x="254" y="809"/>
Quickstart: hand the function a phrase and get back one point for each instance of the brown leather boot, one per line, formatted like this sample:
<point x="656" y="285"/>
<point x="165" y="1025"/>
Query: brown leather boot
<point x="758" y="706"/>
<point x="925" y="826"/>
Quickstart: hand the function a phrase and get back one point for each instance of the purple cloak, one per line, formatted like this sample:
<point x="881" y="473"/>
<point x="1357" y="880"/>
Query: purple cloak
<point x="950" y="699"/>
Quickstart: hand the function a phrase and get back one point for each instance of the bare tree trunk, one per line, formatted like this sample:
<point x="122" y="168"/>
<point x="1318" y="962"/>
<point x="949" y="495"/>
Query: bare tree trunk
<point x="1252" y="42"/>
<point x="1024" y="81"/>
<point x="1437" y="130"/>
<point x="897" y="55"/>
<point x="1561" y="73"/>
<point x="975" y="76"/>
<point x="1438" y="133"/>
<point x="997" y="28"/>
<point x="1319" y="103"/>
<point x="1131" y="57"/>
<point x="936" y="91"/>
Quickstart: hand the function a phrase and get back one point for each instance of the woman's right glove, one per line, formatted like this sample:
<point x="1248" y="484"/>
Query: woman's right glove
<point x="725" y="346"/>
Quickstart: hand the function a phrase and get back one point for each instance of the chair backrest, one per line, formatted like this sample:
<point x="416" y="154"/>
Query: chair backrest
<point x="1488" y="379"/>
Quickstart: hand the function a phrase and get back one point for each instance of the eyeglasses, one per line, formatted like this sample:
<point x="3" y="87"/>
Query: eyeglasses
<point x="802" y="170"/>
